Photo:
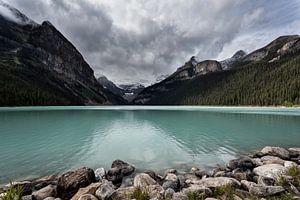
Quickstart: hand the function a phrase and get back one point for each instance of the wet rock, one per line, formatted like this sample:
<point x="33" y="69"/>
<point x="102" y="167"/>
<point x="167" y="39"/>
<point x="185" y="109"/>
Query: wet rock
<point x="143" y="180"/>
<point x="105" y="191"/>
<point x="217" y="182"/>
<point x="87" y="197"/>
<point x="126" y="169"/>
<point x="242" y="163"/>
<point x="170" y="171"/>
<point x="171" y="181"/>
<point x="115" y="175"/>
<point x="69" y="182"/>
<point x="99" y="174"/>
<point x="270" y="170"/>
<point x="48" y="191"/>
<point x="276" y="151"/>
<point x="90" y="189"/>
<point x="44" y="181"/>
<point x="220" y="174"/>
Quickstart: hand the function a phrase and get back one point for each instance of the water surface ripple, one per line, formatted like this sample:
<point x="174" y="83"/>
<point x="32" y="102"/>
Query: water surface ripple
<point x="36" y="141"/>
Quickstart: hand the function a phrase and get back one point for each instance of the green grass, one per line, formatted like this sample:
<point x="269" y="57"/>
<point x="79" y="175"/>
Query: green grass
<point x="294" y="173"/>
<point x="194" y="196"/>
<point x="226" y="190"/>
<point x="14" y="193"/>
<point x="140" y="194"/>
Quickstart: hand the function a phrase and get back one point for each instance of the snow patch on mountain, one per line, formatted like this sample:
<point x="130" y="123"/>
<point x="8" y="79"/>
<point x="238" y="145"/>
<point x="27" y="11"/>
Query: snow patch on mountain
<point x="14" y="15"/>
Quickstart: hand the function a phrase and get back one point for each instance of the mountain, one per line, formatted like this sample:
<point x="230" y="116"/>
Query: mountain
<point x="267" y="76"/>
<point x="126" y="91"/>
<point x="109" y="85"/>
<point x="39" y="66"/>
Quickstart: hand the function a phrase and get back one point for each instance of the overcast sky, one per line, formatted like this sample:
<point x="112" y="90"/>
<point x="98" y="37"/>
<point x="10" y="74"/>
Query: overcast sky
<point x="139" y="40"/>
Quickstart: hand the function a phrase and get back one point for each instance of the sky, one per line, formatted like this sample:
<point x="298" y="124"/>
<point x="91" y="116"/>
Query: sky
<point x="132" y="41"/>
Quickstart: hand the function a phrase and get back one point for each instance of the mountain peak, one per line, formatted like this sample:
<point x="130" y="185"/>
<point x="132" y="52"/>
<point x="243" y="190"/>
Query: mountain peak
<point x="239" y="54"/>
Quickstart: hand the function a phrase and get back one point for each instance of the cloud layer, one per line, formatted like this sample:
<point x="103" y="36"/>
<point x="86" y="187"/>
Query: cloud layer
<point x="139" y="40"/>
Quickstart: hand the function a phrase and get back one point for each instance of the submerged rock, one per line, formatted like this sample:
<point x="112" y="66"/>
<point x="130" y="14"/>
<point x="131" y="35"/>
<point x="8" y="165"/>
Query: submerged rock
<point x="69" y="182"/>
<point x="126" y="169"/>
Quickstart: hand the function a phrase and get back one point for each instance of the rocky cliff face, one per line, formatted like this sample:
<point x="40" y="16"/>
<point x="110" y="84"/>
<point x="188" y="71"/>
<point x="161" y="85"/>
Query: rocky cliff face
<point x="52" y="70"/>
<point x="196" y="82"/>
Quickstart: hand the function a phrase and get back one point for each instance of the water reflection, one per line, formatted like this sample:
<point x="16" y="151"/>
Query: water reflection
<point x="47" y="141"/>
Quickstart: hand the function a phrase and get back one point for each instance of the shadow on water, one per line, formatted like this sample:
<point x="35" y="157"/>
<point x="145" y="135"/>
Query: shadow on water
<point x="37" y="143"/>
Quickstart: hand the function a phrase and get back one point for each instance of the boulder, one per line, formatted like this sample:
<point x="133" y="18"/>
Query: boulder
<point x="90" y="189"/>
<point x="242" y="163"/>
<point x="99" y="174"/>
<point x="197" y="189"/>
<point x="127" y="182"/>
<point x="87" y="197"/>
<point x="126" y="168"/>
<point x="105" y="191"/>
<point x="276" y="151"/>
<point x="180" y="196"/>
<point x="27" y="197"/>
<point x="171" y="181"/>
<point x="295" y="151"/>
<point x="155" y="176"/>
<point x="115" y="175"/>
<point x="257" y="162"/>
<point x="69" y="182"/>
<point x="262" y="190"/>
<point x="270" y="170"/>
<point x="169" y="193"/>
<point x="120" y="193"/>
<point x="271" y="160"/>
<point x="266" y="181"/>
<point x="143" y="180"/>
<point x="289" y="164"/>
<point x="217" y="182"/>
<point x="170" y="171"/>
<point x="48" y="191"/>
<point x="44" y="181"/>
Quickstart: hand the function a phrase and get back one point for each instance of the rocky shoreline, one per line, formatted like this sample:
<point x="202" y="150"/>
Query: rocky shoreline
<point x="271" y="173"/>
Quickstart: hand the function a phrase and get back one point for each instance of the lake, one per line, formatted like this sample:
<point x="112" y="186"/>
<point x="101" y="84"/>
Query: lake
<point x="36" y="141"/>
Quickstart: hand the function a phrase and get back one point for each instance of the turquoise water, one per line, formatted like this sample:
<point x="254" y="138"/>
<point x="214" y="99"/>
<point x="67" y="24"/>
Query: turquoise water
<point x="43" y="140"/>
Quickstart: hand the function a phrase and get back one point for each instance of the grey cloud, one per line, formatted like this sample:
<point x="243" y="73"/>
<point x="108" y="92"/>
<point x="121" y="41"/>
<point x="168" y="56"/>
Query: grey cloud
<point x="141" y="40"/>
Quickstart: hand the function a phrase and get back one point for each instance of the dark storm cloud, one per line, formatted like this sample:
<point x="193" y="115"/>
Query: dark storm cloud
<point x="139" y="40"/>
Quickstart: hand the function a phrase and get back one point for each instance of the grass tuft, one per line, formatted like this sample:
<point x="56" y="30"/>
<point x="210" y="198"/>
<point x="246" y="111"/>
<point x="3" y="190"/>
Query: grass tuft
<point x="140" y="194"/>
<point x="14" y="192"/>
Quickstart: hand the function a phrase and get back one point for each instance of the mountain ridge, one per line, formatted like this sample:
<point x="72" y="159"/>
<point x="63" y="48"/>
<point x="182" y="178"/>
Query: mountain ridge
<point x="39" y="66"/>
